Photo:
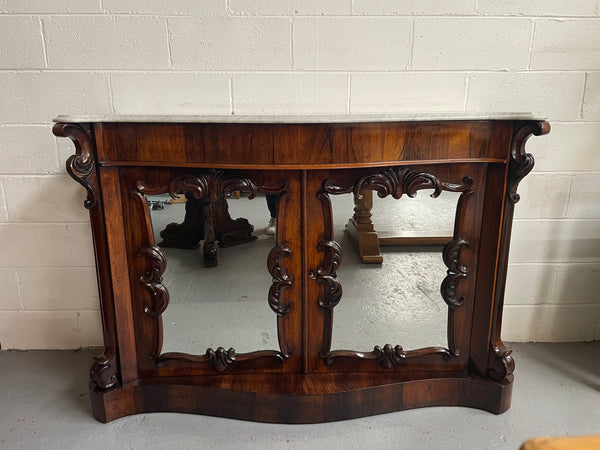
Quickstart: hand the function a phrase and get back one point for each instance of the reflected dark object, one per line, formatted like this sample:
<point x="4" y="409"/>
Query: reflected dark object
<point x="272" y="200"/>
<point x="156" y="204"/>
<point x="210" y="222"/>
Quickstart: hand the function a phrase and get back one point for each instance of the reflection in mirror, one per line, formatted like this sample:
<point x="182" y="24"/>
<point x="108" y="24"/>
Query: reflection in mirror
<point x="221" y="306"/>
<point x="397" y="302"/>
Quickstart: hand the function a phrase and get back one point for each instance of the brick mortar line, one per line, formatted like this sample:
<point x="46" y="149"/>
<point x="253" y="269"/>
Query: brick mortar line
<point x="531" y="41"/>
<point x="411" y="43"/>
<point x="585" y="85"/>
<point x="4" y="200"/>
<point x="44" y="45"/>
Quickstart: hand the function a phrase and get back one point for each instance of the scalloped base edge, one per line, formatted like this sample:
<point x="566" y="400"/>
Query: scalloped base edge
<point x="298" y="408"/>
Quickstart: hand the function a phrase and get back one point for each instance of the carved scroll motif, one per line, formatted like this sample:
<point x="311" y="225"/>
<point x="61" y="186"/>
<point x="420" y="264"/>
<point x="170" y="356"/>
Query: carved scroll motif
<point x="281" y="279"/>
<point x="397" y="181"/>
<point x="521" y="163"/>
<point x="210" y="184"/>
<point x="389" y="356"/>
<point x="456" y="271"/>
<point x="81" y="166"/>
<point x="220" y="359"/>
<point x="152" y="280"/>
<point x="502" y="364"/>
<point x="327" y="274"/>
<point x="104" y="371"/>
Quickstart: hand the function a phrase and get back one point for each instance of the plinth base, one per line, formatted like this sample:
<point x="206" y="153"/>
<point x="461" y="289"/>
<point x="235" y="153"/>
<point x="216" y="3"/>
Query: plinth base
<point x="315" y="400"/>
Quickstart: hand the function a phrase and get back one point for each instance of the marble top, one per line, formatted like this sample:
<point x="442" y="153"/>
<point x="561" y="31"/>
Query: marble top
<point x="308" y="118"/>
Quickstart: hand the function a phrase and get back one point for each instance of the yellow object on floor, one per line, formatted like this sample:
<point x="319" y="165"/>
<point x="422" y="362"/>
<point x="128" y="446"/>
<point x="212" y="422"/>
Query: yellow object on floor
<point x="563" y="443"/>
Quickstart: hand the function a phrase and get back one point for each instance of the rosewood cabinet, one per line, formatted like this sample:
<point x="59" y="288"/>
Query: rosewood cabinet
<point x="307" y="161"/>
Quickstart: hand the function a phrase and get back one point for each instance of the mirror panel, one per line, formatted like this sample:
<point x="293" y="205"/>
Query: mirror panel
<point x="397" y="302"/>
<point x="221" y="306"/>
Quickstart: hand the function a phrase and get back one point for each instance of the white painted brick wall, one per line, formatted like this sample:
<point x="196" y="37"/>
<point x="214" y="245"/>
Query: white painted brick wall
<point x="50" y="7"/>
<point x="281" y="93"/>
<point x="21" y="45"/>
<point x="413" y="7"/>
<point x="50" y="198"/>
<point x="557" y="94"/>
<point x="296" y="56"/>
<point x="291" y="7"/>
<point x="541" y="8"/>
<point x="18" y="143"/>
<point x="407" y="92"/>
<point x="449" y="43"/>
<point x="59" y="288"/>
<point x="106" y="42"/>
<point x="572" y="147"/>
<point x="9" y="289"/>
<point x="31" y="97"/>
<point x="230" y="43"/>
<point x="571" y="45"/>
<point x="170" y="93"/>
<point x="357" y="44"/>
<point x="166" y="7"/>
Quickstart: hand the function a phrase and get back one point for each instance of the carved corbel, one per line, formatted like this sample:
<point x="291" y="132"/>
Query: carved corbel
<point x="81" y="166"/>
<point x="521" y="163"/>
<point x="103" y="372"/>
<point x="502" y="365"/>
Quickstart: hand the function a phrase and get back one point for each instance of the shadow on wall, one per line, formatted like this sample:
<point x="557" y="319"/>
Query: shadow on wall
<point x="58" y="302"/>
<point x="561" y="281"/>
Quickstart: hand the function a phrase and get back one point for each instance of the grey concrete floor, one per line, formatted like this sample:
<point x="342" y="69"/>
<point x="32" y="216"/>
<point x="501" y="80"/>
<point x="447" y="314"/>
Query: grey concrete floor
<point x="45" y="404"/>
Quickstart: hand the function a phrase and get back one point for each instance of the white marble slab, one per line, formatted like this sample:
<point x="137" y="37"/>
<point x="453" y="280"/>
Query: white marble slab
<point x="282" y="118"/>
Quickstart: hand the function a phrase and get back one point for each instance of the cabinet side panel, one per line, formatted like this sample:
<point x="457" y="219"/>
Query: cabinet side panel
<point x="115" y="232"/>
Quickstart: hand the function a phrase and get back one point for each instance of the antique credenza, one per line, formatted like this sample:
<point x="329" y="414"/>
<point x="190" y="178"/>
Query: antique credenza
<point x="306" y="160"/>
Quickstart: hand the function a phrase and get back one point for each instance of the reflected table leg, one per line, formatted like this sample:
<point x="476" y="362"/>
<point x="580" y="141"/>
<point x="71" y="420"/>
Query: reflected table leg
<point x="210" y="222"/>
<point x="367" y="241"/>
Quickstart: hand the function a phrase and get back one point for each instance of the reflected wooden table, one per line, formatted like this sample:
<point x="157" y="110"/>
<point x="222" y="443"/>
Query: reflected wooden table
<point x="306" y="161"/>
<point x="368" y="241"/>
<point x="209" y="222"/>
